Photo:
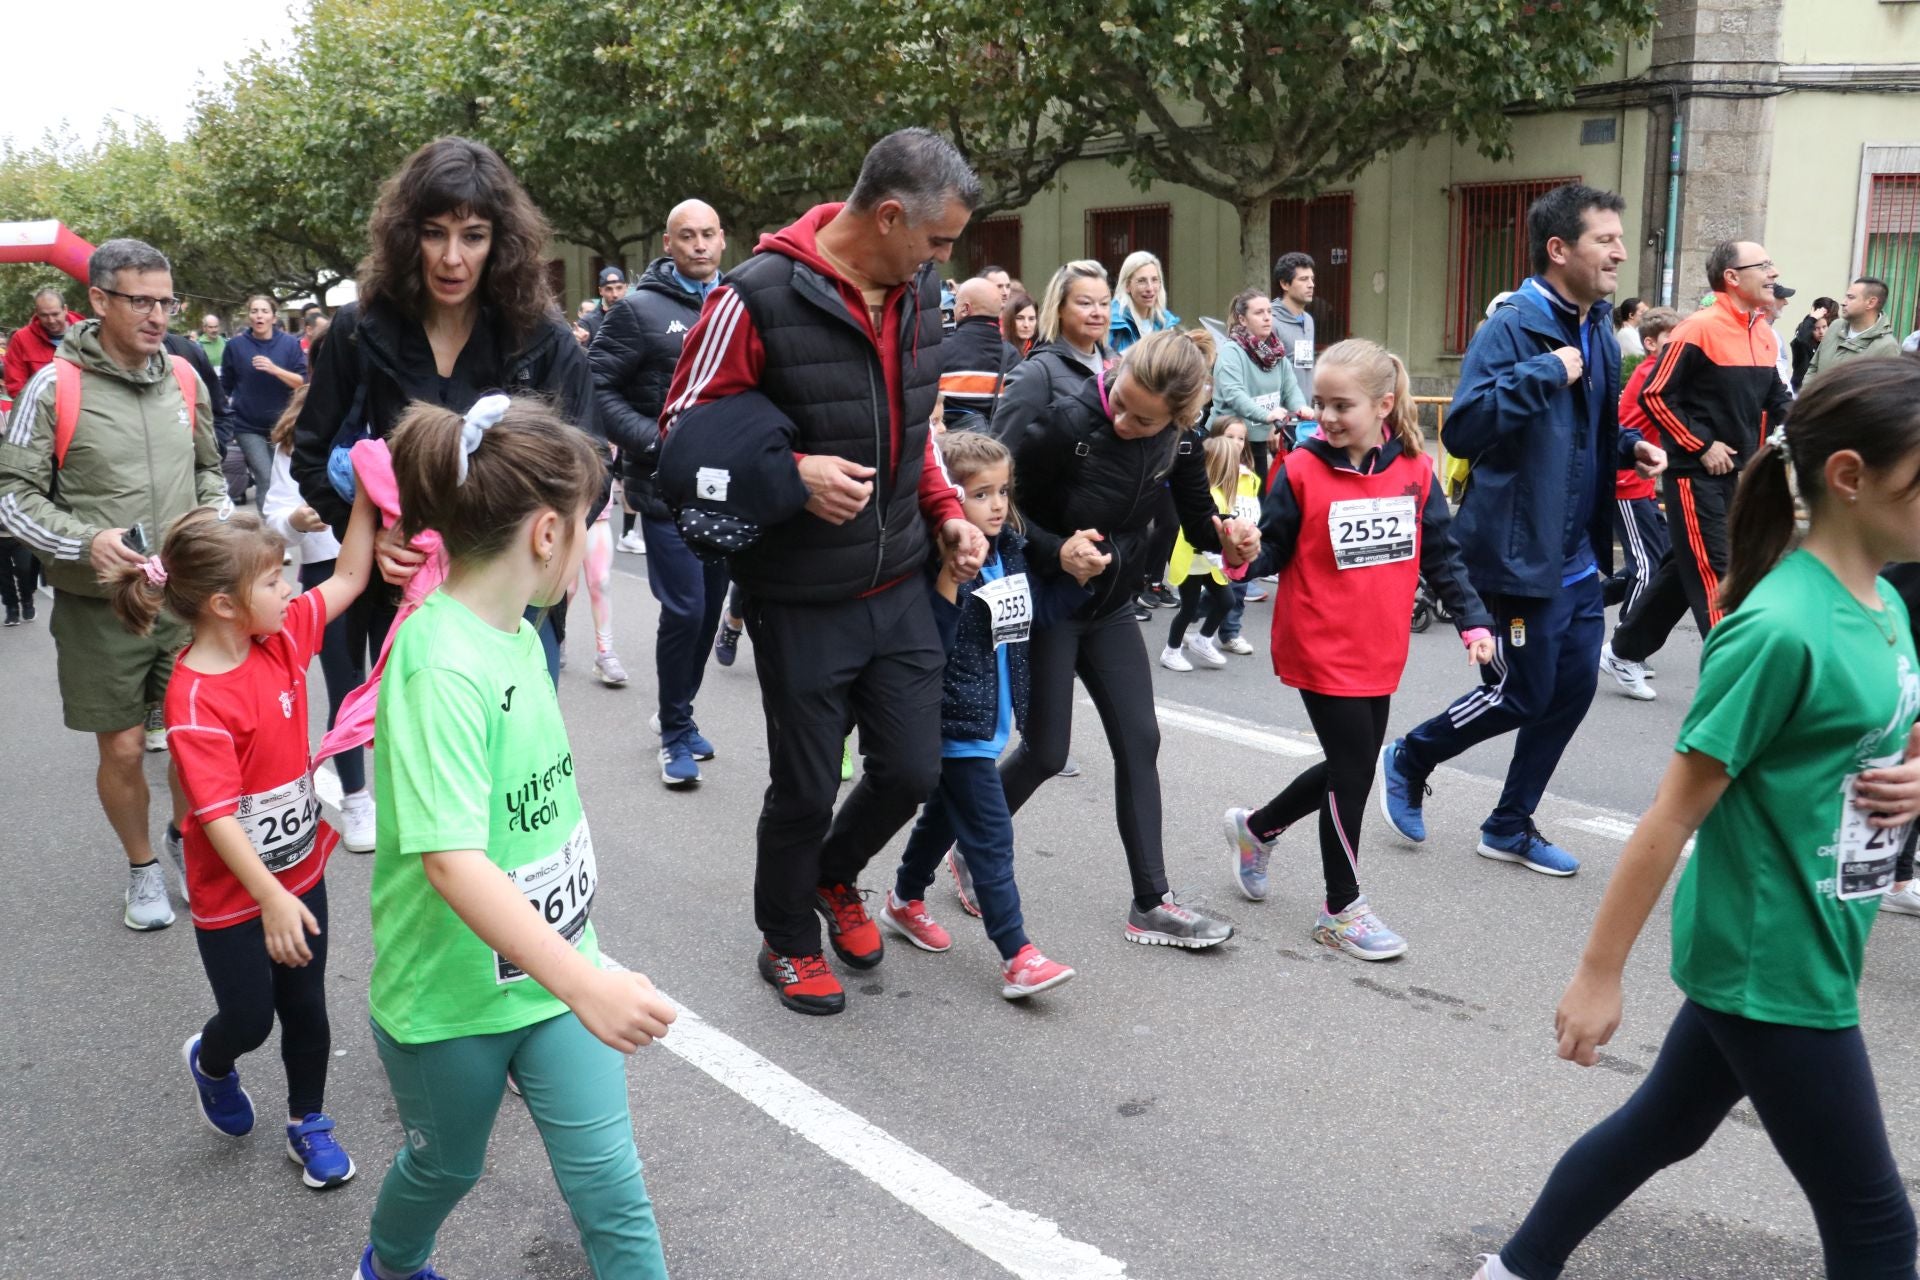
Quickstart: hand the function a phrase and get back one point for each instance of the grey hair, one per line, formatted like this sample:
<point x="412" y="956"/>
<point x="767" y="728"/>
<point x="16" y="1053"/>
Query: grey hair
<point x="920" y="169"/>
<point x="49" y="291"/>
<point x="115" y="256"/>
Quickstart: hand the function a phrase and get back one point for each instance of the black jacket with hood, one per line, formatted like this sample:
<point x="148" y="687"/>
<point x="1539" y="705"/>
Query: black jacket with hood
<point x="633" y="354"/>
<point x="374" y="363"/>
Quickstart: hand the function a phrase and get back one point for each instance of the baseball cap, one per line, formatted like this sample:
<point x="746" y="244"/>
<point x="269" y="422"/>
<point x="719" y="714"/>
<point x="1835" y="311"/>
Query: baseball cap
<point x="1783" y="292"/>
<point x="612" y="275"/>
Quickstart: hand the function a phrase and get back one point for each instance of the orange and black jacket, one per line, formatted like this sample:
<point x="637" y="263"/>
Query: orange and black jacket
<point x="1718" y="380"/>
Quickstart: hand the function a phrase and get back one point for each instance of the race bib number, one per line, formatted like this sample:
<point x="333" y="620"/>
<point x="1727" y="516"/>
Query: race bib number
<point x="1271" y="402"/>
<point x="560" y="886"/>
<point x="281" y="823"/>
<point x="1867" y="852"/>
<point x="1370" y="531"/>
<point x="1246" y="509"/>
<point x="1303" y="354"/>
<point x="1010" y="601"/>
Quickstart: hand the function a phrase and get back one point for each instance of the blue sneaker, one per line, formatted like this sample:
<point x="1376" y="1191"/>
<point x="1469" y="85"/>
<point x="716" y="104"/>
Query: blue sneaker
<point x="224" y="1105"/>
<point x="1250" y="854"/>
<point x="702" y="749"/>
<point x="365" y="1270"/>
<point x="1401" y="796"/>
<point x="677" y="768"/>
<point x="1531" y="850"/>
<point x="323" y="1162"/>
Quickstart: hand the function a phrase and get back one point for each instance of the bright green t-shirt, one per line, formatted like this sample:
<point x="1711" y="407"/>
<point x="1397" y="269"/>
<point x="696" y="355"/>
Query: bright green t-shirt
<point x="470" y="753"/>
<point x="1801" y="688"/>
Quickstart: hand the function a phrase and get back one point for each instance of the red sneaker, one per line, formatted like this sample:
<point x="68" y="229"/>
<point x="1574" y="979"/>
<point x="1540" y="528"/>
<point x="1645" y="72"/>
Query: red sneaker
<point x="852" y="932"/>
<point x="911" y="921"/>
<point x="1030" y="972"/>
<point x="962" y="882"/>
<point x="804" y="983"/>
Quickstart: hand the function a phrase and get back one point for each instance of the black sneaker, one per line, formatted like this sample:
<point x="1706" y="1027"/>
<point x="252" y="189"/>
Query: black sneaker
<point x="1164" y="596"/>
<point x="13" y="618"/>
<point x="26" y="608"/>
<point x="1146" y="600"/>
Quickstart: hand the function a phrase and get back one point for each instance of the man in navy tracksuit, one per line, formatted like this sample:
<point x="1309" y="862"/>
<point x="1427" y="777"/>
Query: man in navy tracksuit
<point x="1536" y="413"/>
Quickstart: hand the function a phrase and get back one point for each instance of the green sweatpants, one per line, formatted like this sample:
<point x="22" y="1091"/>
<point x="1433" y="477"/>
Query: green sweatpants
<point x="448" y="1092"/>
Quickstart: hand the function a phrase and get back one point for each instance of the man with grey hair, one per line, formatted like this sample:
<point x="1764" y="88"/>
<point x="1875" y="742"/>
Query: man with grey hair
<point x="835" y="322"/>
<point x="141" y="454"/>
<point x="32" y="345"/>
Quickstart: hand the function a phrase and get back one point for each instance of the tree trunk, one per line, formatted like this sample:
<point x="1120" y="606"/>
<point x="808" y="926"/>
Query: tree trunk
<point x="1256" y="235"/>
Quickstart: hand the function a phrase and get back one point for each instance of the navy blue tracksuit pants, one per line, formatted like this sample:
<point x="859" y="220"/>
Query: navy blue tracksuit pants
<point x="1545" y="667"/>
<point x="969" y="809"/>
<point x="691" y="593"/>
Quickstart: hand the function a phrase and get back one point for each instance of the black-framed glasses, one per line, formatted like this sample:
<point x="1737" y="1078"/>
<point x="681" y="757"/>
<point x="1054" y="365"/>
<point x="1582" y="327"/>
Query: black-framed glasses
<point x="1767" y="265"/>
<point x="140" y="304"/>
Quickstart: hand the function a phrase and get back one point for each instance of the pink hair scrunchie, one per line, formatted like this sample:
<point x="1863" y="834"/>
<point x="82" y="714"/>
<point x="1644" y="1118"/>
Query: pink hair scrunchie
<point x="155" y="571"/>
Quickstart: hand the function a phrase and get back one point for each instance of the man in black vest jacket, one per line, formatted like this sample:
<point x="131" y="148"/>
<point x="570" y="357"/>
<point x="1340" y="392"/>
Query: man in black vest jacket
<point x="974" y="359"/>
<point x="836" y="319"/>
<point x="633" y="355"/>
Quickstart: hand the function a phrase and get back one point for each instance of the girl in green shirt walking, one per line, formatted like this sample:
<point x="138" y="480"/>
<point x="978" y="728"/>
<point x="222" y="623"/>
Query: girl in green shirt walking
<point x="1796" y="764"/>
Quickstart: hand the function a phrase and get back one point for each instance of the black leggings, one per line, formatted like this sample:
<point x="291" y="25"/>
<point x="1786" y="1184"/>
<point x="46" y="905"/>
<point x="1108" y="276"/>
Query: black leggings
<point x="1219" y="603"/>
<point x="249" y="988"/>
<point x="1814" y="1092"/>
<point x="343" y="664"/>
<point x="1350" y="732"/>
<point x="1166" y="531"/>
<point x="1110" y="657"/>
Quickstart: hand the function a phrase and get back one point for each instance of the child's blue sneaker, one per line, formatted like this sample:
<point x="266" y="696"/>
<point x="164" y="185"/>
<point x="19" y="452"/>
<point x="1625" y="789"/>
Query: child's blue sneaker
<point x="1250" y="854"/>
<point x="1531" y="850"/>
<point x="1401" y="796"/>
<point x="224" y="1105"/>
<point x="323" y="1162"/>
<point x="365" y="1270"/>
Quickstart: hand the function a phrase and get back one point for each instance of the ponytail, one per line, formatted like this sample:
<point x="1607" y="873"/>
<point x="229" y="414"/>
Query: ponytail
<point x="136" y="597"/>
<point x="1761" y="527"/>
<point x="1404" y="421"/>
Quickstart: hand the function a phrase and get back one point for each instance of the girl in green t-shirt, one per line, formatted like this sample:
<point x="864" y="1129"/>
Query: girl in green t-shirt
<point x="1797" y="765"/>
<point x="485" y="959"/>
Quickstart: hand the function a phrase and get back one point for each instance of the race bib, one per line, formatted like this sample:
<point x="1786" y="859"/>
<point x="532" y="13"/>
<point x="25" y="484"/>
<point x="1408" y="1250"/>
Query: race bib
<point x="1246" y="509"/>
<point x="1867" y="852"/>
<point x="1271" y="401"/>
<point x="1010" y="601"/>
<point x="560" y="886"/>
<point x="1303" y="354"/>
<point x="1370" y="531"/>
<point x="281" y="823"/>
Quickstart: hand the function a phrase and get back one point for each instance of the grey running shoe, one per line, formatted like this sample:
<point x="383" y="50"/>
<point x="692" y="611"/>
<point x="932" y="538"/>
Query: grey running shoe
<point x="156" y="729"/>
<point x="1174" y="924"/>
<point x="1071" y="769"/>
<point x="607" y="667"/>
<point x="147" y="907"/>
<point x="177" y="859"/>
<point x="1358" y="932"/>
<point x="1250" y="854"/>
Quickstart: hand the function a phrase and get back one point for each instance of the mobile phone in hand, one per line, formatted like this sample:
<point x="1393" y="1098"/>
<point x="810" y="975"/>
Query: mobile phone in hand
<point x="136" y="538"/>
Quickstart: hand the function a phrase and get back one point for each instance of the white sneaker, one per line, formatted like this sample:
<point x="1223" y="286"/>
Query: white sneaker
<point x="631" y="543"/>
<point x="357" y="822"/>
<point x="156" y="729"/>
<point x="1174" y="660"/>
<point x="1491" y="1268"/>
<point x="1203" y="648"/>
<point x="1902" y="902"/>
<point x="1631" y="676"/>
<point x="147" y="907"/>
<point x="1238" y="645"/>
<point x="177" y="858"/>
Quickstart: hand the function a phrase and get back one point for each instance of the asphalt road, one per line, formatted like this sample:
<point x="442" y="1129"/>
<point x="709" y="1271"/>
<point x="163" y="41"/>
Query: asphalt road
<point x="1267" y="1109"/>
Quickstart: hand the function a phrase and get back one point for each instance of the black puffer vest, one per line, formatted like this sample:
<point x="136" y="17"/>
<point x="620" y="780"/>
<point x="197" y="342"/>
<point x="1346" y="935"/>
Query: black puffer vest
<point x="970" y="702"/>
<point x="824" y="373"/>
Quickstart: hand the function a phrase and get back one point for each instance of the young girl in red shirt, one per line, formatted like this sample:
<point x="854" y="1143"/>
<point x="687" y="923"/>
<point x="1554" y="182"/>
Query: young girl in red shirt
<point x="1352" y="519"/>
<point x="256" y="846"/>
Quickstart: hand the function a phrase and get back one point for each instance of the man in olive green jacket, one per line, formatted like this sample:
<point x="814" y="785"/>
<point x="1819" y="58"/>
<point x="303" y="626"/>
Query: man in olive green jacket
<point x="1861" y="331"/>
<point x="140" y="458"/>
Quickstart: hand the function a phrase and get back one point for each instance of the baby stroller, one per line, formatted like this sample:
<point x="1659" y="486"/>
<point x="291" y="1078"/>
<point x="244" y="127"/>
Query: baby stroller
<point x="1427" y="606"/>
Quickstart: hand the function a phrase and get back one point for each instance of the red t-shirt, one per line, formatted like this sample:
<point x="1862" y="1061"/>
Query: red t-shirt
<point x="1627" y="482"/>
<point x="239" y="740"/>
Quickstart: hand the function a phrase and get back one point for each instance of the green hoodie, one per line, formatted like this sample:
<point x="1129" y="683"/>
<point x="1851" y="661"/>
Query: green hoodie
<point x="1836" y="347"/>
<point x="133" y="459"/>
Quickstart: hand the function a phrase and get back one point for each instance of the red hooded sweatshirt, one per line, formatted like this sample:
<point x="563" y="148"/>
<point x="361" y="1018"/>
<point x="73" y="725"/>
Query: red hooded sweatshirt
<point x="724" y="355"/>
<point x="28" y="351"/>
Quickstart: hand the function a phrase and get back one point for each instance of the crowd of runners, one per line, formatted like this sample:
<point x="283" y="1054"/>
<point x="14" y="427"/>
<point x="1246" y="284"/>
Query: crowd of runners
<point x="930" y="509"/>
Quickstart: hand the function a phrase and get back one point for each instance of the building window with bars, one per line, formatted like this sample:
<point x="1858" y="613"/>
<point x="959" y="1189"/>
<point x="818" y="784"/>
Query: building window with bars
<point x="1489" y="249"/>
<point x="1321" y="228"/>
<point x="1112" y="234"/>
<point x="1893" y="245"/>
<point x="993" y="242"/>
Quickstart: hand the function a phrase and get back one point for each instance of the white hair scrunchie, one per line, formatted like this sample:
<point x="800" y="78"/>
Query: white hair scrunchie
<point x="486" y="413"/>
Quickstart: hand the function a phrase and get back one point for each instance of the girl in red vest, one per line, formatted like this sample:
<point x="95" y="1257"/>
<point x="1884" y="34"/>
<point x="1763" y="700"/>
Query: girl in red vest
<point x="1352" y="520"/>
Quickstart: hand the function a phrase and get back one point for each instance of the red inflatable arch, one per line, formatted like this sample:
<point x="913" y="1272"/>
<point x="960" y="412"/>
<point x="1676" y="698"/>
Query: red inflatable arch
<point x="45" y="241"/>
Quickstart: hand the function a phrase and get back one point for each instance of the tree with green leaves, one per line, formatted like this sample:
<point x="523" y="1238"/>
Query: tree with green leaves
<point x="1249" y="100"/>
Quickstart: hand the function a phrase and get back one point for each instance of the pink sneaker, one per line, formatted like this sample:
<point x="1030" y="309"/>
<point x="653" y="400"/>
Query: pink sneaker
<point x="1030" y="971"/>
<point x="911" y="921"/>
<point x="962" y="882"/>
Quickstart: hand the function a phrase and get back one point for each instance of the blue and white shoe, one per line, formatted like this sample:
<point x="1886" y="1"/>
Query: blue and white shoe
<point x="1531" y="850"/>
<point x="1250" y="854"/>
<point x="677" y="768"/>
<point x="365" y="1270"/>
<point x="323" y="1162"/>
<point x="1400" y="796"/>
<point x="1358" y="932"/>
<point x="224" y="1105"/>
<point x="702" y="749"/>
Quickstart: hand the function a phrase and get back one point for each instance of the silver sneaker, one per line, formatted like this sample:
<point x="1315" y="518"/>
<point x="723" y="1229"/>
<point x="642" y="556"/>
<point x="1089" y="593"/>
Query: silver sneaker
<point x="1632" y="676"/>
<point x="147" y="907"/>
<point x="1250" y="854"/>
<point x="156" y="729"/>
<point x="1359" y="932"/>
<point x="1902" y="902"/>
<point x="1174" y="924"/>
<point x="177" y="858"/>
<point x="607" y="667"/>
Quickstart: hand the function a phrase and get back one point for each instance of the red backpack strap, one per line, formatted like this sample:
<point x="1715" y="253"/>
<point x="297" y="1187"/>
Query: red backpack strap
<point x="66" y="407"/>
<point x="189" y="381"/>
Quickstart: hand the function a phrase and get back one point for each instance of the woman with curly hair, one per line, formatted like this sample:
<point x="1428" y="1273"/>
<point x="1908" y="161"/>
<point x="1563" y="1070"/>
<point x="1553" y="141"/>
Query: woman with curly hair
<point x="453" y="303"/>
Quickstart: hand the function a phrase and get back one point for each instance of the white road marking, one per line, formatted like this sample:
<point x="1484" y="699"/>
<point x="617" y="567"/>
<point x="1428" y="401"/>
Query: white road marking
<point x="1613" y="827"/>
<point x="1026" y="1244"/>
<point x="1212" y="724"/>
